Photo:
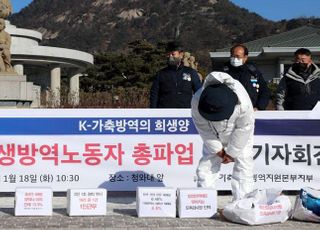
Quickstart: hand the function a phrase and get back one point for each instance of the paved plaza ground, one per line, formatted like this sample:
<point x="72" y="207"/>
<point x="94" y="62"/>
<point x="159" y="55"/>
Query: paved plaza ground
<point x="122" y="215"/>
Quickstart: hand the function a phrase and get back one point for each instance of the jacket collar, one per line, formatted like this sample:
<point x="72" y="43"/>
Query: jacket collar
<point x="176" y="67"/>
<point x="314" y="75"/>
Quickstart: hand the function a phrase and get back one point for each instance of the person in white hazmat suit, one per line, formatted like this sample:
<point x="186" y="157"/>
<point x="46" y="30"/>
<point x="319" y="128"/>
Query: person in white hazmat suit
<point x="223" y="115"/>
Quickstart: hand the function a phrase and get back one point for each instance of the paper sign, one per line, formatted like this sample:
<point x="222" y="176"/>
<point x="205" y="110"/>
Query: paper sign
<point x="33" y="202"/>
<point x="87" y="202"/>
<point x="156" y="202"/>
<point x="197" y="202"/>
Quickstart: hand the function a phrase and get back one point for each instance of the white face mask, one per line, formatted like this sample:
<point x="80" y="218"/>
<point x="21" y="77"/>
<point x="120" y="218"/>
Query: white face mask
<point x="236" y="62"/>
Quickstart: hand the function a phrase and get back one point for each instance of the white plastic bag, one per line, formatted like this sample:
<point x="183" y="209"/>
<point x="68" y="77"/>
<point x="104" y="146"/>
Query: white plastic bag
<point x="307" y="206"/>
<point x="259" y="207"/>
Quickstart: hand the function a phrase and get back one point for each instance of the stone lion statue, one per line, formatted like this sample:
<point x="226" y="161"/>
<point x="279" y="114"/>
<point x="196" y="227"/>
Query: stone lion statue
<point x="5" y="8"/>
<point x="5" y="43"/>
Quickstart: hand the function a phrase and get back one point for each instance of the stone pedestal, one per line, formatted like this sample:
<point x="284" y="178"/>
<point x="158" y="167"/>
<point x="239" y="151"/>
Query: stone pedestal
<point x="16" y="92"/>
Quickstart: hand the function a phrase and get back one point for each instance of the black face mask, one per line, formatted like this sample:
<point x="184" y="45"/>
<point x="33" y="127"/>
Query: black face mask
<point x="174" y="61"/>
<point x="300" y="67"/>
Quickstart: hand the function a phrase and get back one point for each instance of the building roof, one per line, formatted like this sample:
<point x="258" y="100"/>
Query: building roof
<point x="305" y="36"/>
<point x="25" y="49"/>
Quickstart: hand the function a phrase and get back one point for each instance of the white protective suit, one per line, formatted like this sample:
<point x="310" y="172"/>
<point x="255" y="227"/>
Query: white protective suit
<point x="235" y="135"/>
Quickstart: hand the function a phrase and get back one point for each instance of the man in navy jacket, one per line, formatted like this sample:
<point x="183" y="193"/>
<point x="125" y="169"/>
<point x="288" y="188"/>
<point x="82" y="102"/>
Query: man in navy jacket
<point x="249" y="76"/>
<point x="174" y="85"/>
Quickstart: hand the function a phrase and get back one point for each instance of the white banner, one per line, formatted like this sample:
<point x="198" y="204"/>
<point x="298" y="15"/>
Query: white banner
<point x="121" y="149"/>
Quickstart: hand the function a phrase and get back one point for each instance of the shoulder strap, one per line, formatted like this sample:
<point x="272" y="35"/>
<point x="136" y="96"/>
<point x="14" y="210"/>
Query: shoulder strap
<point x="253" y="70"/>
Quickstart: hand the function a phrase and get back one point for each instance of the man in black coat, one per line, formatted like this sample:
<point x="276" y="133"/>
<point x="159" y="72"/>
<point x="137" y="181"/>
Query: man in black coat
<point x="249" y="76"/>
<point x="174" y="85"/>
<point x="299" y="89"/>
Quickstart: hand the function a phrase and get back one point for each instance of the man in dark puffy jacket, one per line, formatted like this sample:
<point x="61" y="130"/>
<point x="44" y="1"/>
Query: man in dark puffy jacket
<point x="299" y="89"/>
<point x="174" y="85"/>
<point x="249" y="76"/>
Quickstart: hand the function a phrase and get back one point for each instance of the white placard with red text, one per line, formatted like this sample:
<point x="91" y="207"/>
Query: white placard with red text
<point x="87" y="202"/>
<point x="197" y="202"/>
<point x="33" y="202"/>
<point x="156" y="202"/>
<point x="122" y="149"/>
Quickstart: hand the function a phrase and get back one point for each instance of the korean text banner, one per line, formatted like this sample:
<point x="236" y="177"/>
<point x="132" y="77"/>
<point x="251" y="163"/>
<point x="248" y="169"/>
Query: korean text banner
<point x="120" y="149"/>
